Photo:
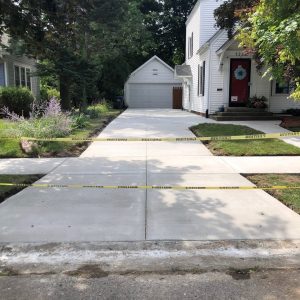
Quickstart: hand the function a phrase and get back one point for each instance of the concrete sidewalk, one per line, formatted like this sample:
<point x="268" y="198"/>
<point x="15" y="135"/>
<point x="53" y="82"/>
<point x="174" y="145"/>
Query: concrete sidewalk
<point x="72" y="215"/>
<point x="29" y="166"/>
<point x="242" y="165"/>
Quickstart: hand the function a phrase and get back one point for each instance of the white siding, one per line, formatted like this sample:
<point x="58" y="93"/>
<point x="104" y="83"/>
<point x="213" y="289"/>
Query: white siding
<point x="202" y="23"/>
<point x="280" y="103"/>
<point x="151" y="86"/>
<point x="220" y="77"/>
<point x="207" y="20"/>
<point x="216" y="76"/>
<point x="185" y="96"/>
<point x="22" y="61"/>
<point x="145" y="74"/>
<point x="193" y="26"/>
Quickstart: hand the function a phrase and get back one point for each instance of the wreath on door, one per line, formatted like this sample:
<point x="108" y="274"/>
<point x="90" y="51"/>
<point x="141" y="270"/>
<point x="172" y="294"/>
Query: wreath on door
<point x="240" y="73"/>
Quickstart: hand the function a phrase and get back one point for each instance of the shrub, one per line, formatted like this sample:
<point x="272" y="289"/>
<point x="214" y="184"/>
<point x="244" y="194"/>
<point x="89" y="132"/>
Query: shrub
<point x="258" y="102"/>
<point x="48" y="93"/>
<point x="17" y="100"/>
<point x="44" y="122"/>
<point x="80" y="121"/>
<point x="293" y="111"/>
<point x="95" y="111"/>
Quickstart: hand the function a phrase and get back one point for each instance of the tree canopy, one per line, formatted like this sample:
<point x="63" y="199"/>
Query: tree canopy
<point x="165" y="20"/>
<point x="75" y="39"/>
<point x="270" y="29"/>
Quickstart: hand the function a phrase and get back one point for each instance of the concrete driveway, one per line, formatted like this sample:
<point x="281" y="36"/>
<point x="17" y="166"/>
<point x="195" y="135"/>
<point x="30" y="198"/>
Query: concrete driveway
<point x="64" y="215"/>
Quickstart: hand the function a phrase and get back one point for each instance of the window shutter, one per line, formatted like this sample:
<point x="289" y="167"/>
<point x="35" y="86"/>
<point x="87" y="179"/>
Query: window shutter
<point x="203" y="79"/>
<point x="192" y="47"/>
<point x="199" y="80"/>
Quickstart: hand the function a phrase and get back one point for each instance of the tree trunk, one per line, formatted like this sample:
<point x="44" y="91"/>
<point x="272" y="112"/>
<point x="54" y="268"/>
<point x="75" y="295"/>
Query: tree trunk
<point x="64" y="83"/>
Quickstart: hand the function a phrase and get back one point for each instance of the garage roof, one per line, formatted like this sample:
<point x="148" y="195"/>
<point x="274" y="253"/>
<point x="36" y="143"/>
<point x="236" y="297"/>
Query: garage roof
<point x="150" y="60"/>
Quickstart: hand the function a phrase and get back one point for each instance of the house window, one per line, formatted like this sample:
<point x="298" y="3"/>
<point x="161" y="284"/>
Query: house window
<point x="201" y="79"/>
<point x="282" y="88"/>
<point x="22" y="77"/>
<point x="191" y="46"/>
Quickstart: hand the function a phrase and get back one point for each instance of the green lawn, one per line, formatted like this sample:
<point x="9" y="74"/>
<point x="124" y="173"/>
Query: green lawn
<point x="12" y="149"/>
<point x="242" y="147"/>
<point x="9" y="148"/>
<point x="6" y="192"/>
<point x="290" y="198"/>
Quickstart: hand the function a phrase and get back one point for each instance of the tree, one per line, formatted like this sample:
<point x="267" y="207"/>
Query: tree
<point x="166" y="21"/>
<point x="75" y="37"/>
<point x="270" y="29"/>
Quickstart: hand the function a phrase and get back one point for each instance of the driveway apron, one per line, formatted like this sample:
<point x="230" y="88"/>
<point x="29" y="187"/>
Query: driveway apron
<point x="64" y="215"/>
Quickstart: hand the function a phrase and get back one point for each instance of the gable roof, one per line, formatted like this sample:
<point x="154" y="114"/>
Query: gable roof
<point x="183" y="71"/>
<point x="208" y="43"/>
<point x="193" y="10"/>
<point x="150" y="60"/>
<point x="226" y="45"/>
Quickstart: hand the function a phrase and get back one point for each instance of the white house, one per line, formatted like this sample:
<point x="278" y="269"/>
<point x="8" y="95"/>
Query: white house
<point x="151" y="85"/>
<point x="18" y="70"/>
<point x="217" y="73"/>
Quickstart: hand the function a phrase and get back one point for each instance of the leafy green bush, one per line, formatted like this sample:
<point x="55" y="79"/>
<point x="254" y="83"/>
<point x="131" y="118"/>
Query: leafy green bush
<point x="258" y="102"/>
<point x="95" y="111"/>
<point x="44" y="122"/>
<point x="80" y="121"/>
<point x="48" y="93"/>
<point x="17" y="100"/>
<point x="293" y="111"/>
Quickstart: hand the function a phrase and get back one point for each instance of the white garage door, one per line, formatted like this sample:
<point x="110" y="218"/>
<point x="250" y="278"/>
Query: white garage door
<point x="152" y="95"/>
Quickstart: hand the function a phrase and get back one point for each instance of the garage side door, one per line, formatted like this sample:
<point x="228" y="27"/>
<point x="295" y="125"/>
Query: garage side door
<point x="150" y="95"/>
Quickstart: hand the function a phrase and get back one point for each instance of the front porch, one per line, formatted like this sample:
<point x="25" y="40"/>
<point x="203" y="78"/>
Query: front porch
<point x="244" y="114"/>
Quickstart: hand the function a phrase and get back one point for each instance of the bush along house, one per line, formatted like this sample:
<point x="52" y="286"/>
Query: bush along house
<point x="18" y="71"/>
<point x="220" y="80"/>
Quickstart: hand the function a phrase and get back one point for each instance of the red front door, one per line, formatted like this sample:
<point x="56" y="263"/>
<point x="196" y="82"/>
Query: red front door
<point x="240" y="72"/>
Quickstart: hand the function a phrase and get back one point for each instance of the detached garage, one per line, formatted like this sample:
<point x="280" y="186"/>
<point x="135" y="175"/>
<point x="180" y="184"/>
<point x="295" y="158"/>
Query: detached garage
<point x="153" y="86"/>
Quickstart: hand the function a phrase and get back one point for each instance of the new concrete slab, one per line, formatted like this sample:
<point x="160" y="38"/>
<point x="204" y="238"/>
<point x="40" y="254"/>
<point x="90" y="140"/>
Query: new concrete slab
<point x="187" y="164"/>
<point x="29" y="166"/>
<point x="177" y="149"/>
<point x="218" y="215"/>
<point x="62" y="214"/>
<point x="116" y="149"/>
<point x="268" y="164"/>
<point x="202" y="180"/>
<point x="89" y="214"/>
<point x="102" y="165"/>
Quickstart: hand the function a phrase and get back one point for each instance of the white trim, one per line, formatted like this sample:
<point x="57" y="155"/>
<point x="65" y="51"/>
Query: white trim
<point x="193" y="11"/>
<point x="274" y="94"/>
<point x="26" y="67"/>
<point x="225" y="46"/>
<point x="150" y="60"/>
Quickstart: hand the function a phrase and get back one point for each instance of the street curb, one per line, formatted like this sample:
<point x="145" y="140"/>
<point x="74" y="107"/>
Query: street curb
<point x="150" y="256"/>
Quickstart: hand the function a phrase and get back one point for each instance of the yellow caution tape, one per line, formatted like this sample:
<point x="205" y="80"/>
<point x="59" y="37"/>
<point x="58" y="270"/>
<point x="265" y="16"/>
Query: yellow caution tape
<point x="170" y="139"/>
<point x="147" y="187"/>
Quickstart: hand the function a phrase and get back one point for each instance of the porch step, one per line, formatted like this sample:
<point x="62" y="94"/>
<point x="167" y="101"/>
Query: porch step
<point x="243" y="109"/>
<point x="245" y="113"/>
<point x="245" y="118"/>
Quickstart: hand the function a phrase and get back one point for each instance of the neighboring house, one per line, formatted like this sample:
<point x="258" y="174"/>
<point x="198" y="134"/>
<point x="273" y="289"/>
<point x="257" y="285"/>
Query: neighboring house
<point x="152" y="85"/>
<point x="218" y="73"/>
<point x="18" y="70"/>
